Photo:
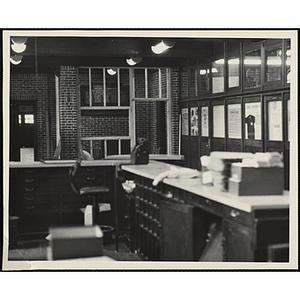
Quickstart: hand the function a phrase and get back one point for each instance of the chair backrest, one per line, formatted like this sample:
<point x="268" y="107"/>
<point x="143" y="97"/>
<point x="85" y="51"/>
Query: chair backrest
<point x="72" y="172"/>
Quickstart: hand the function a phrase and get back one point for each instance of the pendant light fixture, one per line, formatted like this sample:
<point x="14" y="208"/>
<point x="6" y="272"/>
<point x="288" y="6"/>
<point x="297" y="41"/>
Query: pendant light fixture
<point x="133" y="60"/>
<point x="163" y="46"/>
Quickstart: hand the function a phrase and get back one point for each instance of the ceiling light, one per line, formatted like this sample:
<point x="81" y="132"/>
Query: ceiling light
<point x="18" y="48"/>
<point x="19" y="40"/>
<point x="16" y="59"/>
<point x="112" y="71"/>
<point x="163" y="46"/>
<point x="133" y="60"/>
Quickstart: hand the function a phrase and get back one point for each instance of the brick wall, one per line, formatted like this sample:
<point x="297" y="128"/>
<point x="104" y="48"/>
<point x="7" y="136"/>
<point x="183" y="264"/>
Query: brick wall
<point x="68" y="112"/>
<point x="175" y="96"/>
<point x="40" y="88"/>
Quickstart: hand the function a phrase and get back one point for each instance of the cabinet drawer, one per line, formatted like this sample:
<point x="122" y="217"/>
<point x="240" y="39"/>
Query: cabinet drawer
<point x="53" y="198"/>
<point x="205" y="203"/>
<point x="237" y="215"/>
<point x="35" y="172"/>
<point x="40" y="208"/>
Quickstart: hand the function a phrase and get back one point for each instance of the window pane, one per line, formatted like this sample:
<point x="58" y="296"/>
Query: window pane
<point x="83" y="80"/>
<point x="125" y="146"/>
<point x="139" y="83"/>
<point x="97" y="87"/>
<point x="153" y="83"/>
<point x="111" y="84"/>
<point x="252" y="69"/>
<point x="233" y="72"/>
<point x="204" y="78"/>
<point x="151" y="124"/>
<point x="217" y="71"/>
<point x="112" y="147"/>
<point x="29" y="119"/>
<point x="273" y="63"/>
<point x="164" y="83"/>
<point x="124" y="87"/>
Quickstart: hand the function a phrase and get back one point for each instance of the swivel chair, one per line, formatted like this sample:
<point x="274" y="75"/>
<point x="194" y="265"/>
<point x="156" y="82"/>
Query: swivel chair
<point x="92" y="191"/>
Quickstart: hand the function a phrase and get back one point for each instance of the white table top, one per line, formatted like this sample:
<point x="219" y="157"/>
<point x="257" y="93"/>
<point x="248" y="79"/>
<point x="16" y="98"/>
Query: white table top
<point x="195" y="186"/>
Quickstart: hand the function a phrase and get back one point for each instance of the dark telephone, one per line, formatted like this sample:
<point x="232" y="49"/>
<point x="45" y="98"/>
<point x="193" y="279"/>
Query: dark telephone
<point x="140" y="153"/>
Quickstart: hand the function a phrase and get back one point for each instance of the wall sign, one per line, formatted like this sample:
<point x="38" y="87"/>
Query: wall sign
<point x="234" y="121"/>
<point x="204" y="121"/>
<point x="219" y="121"/>
<point x="194" y="121"/>
<point x="253" y="121"/>
<point x="275" y="120"/>
<point x="185" y="121"/>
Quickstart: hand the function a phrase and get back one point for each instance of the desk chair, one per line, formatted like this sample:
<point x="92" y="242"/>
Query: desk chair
<point x="92" y="191"/>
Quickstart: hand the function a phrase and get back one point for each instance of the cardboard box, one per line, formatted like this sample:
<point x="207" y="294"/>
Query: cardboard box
<point x="256" y="187"/>
<point x="75" y="242"/>
<point x="244" y="173"/>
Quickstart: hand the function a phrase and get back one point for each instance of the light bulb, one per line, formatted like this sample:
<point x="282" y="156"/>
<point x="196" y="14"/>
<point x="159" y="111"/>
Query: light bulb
<point x="18" y="48"/>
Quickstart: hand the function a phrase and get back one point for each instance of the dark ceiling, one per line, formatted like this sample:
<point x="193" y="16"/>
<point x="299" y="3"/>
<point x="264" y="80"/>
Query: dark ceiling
<point x="51" y="52"/>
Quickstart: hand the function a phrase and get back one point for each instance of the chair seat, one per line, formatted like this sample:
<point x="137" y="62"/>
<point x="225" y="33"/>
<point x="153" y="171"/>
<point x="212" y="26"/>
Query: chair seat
<point x="93" y="190"/>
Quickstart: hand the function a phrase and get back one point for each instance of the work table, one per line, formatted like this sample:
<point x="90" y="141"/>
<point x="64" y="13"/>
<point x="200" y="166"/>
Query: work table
<point x="195" y="186"/>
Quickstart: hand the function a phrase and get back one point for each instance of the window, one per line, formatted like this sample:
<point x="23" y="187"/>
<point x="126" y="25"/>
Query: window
<point x="152" y="108"/>
<point x="252" y="68"/>
<point x="103" y="89"/>
<point x="112" y="120"/>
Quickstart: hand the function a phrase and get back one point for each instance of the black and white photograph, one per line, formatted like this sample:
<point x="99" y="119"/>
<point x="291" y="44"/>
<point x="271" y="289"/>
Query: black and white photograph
<point x="150" y="149"/>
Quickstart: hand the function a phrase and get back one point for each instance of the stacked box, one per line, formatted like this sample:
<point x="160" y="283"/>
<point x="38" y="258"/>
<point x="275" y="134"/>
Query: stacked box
<point x="246" y="181"/>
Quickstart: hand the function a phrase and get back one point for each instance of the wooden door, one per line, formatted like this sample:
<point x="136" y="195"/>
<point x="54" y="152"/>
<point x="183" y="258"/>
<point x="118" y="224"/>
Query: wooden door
<point x="233" y="110"/>
<point x="23" y="128"/>
<point x="252" y="118"/>
<point x="183" y="237"/>
<point x="238" y="245"/>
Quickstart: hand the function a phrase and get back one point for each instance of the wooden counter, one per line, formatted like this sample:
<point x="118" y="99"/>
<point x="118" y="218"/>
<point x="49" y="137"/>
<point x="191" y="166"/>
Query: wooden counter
<point x="195" y="186"/>
<point x="181" y="219"/>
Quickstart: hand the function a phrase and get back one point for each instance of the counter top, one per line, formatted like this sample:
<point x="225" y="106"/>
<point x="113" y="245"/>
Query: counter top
<point x="66" y="163"/>
<point x="195" y="186"/>
<point x="151" y="157"/>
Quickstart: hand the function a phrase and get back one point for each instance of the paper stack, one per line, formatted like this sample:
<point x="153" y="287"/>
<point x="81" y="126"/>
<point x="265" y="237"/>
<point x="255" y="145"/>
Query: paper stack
<point x="220" y="166"/>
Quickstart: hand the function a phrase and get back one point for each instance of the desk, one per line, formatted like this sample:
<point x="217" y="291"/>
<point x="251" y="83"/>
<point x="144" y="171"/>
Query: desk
<point x="171" y="221"/>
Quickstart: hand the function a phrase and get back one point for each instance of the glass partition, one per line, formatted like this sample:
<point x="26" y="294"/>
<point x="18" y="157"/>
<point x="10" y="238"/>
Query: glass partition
<point x="217" y="71"/>
<point x="273" y="63"/>
<point x="252" y="69"/>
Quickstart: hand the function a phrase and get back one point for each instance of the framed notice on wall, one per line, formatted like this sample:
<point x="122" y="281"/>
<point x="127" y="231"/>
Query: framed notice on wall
<point x="204" y="121"/>
<point x="185" y="121"/>
<point x="275" y="120"/>
<point x="194" y="121"/>
<point x="253" y="120"/>
<point x="219" y="121"/>
<point x="234" y="121"/>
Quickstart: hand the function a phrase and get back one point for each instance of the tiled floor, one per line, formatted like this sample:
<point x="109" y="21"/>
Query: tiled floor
<point x="37" y="250"/>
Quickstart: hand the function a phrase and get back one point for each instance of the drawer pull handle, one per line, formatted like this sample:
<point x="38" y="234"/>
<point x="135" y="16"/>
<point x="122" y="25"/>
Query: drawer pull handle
<point x="29" y="207"/>
<point x="234" y="213"/>
<point x="91" y="178"/>
<point x="29" y="180"/>
<point x="29" y="189"/>
<point x="29" y="198"/>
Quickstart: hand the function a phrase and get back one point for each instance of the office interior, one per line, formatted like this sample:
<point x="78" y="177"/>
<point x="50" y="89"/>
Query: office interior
<point x="135" y="148"/>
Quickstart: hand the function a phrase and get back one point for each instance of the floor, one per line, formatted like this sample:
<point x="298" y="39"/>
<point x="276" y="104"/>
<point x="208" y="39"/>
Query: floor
<point x="37" y="250"/>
